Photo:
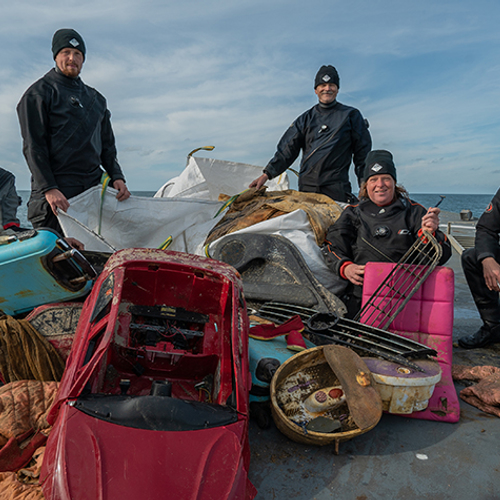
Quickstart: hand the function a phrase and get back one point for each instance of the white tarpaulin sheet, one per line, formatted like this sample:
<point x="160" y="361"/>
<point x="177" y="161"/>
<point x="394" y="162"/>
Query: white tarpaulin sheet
<point x="205" y="178"/>
<point x="139" y="222"/>
<point x="184" y="208"/>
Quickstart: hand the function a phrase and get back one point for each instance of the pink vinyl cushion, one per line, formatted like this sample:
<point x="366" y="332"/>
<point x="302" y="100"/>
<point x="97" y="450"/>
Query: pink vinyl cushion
<point x="427" y="318"/>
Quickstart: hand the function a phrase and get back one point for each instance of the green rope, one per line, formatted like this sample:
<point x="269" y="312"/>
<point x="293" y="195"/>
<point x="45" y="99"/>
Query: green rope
<point x="166" y="243"/>
<point x="105" y="179"/>
<point x="229" y="202"/>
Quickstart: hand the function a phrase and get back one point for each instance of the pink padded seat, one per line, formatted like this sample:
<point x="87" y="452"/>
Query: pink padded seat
<point x="428" y="319"/>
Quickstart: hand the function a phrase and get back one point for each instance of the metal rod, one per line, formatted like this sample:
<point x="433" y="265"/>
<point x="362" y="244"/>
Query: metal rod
<point x="64" y="256"/>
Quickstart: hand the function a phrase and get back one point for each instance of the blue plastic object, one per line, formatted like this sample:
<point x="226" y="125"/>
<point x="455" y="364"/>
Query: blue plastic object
<point x="39" y="267"/>
<point x="265" y="356"/>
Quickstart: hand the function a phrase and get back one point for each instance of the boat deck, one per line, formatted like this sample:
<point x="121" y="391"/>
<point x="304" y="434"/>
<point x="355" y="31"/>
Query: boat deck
<point x="460" y="232"/>
<point x="400" y="458"/>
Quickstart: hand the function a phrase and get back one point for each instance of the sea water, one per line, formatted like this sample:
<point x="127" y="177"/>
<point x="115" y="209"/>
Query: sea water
<point x="451" y="203"/>
<point x="476" y="203"/>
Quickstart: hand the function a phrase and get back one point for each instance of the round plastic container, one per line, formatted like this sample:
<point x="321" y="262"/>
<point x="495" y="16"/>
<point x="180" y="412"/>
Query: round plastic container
<point x="402" y="389"/>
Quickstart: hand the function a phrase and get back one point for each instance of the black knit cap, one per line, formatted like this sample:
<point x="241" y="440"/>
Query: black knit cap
<point x="327" y="74"/>
<point x="379" y="162"/>
<point x="67" y="38"/>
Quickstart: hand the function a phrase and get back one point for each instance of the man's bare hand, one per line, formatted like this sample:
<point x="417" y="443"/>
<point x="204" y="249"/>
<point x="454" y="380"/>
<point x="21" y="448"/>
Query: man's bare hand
<point x="74" y="243"/>
<point x="355" y="273"/>
<point x="56" y="200"/>
<point x="430" y="221"/>
<point x="123" y="192"/>
<point x="259" y="182"/>
<point x="491" y="273"/>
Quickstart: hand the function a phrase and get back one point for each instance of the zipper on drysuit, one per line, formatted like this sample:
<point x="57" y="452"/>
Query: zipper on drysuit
<point x="323" y="144"/>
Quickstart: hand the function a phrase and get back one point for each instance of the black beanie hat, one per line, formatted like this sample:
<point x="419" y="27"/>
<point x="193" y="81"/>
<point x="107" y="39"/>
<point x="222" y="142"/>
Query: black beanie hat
<point x="379" y="162"/>
<point x="327" y="74"/>
<point x="67" y="38"/>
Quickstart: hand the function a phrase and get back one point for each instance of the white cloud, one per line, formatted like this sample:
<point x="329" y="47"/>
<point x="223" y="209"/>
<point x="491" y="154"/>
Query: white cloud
<point x="235" y="74"/>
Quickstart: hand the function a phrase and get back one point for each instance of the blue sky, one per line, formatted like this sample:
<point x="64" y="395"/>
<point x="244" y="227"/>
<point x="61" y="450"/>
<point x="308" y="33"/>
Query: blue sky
<point x="235" y="74"/>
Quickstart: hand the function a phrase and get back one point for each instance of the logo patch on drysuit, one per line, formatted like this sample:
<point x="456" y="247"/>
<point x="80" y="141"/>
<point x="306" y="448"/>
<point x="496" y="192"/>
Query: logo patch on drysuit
<point x="489" y="208"/>
<point x="404" y="231"/>
<point x="74" y="42"/>
<point x="381" y="232"/>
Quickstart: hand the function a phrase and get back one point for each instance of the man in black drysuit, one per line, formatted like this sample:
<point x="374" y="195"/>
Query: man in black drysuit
<point x="331" y="135"/>
<point x="67" y="134"/>
<point x="9" y="201"/>
<point x="482" y="271"/>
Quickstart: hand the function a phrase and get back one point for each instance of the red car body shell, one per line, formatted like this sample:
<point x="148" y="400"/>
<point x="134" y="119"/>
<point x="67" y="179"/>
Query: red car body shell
<point x="94" y="454"/>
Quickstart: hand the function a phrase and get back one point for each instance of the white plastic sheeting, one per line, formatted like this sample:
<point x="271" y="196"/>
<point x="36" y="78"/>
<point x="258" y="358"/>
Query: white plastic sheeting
<point x="206" y="178"/>
<point x="139" y="222"/>
<point x="185" y="208"/>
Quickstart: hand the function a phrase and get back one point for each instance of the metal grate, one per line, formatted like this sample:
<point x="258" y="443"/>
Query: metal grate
<point x="366" y="340"/>
<point x="402" y="282"/>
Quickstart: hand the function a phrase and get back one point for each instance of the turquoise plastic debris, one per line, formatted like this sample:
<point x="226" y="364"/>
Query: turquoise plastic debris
<point x="38" y="267"/>
<point x="265" y="356"/>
